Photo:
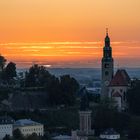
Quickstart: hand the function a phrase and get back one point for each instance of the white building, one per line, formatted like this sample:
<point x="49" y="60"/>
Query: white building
<point x="6" y="126"/>
<point x="110" y="134"/>
<point x="28" y="127"/>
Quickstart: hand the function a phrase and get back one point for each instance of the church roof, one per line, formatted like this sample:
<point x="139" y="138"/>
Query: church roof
<point x="121" y="78"/>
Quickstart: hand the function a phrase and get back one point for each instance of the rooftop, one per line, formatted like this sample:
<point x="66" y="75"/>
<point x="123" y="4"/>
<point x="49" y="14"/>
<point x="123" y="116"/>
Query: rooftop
<point x="25" y="122"/>
<point x="121" y="78"/>
<point x="6" y="120"/>
<point x="62" y="137"/>
<point x="110" y="131"/>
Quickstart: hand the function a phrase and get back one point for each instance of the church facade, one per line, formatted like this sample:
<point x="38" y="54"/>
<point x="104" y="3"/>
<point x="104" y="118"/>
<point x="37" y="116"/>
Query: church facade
<point x="113" y="86"/>
<point x="118" y="88"/>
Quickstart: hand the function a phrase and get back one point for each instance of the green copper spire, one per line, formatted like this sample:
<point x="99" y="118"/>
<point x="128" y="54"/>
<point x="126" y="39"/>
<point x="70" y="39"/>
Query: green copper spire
<point x="107" y="39"/>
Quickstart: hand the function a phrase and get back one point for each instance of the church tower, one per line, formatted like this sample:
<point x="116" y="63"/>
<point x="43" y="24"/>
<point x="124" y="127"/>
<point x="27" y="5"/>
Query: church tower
<point x="107" y="67"/>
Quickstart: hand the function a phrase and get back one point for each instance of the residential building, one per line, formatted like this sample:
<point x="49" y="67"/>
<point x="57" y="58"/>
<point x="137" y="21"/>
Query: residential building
<point x="6" y="126"/>
<point x="110" y="134"/>
<point x="28" y="127"/>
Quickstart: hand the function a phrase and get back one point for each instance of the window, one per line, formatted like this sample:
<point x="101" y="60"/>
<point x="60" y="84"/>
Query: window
<point x="106" y="73"/>
<point x="106" y="65"/>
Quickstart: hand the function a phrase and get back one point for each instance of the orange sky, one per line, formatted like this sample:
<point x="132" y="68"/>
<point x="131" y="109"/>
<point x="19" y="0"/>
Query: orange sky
<point x="69" y="33"/>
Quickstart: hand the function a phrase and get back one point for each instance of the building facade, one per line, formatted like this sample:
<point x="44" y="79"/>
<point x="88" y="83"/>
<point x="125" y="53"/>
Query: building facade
<point x="6" y="126"/>
<point x="113" y="86"/>
<point x="107" y="67"/>
<point x="110" y="134"/>
<point x="118" y="88"/>
<point x="28" y="127"/>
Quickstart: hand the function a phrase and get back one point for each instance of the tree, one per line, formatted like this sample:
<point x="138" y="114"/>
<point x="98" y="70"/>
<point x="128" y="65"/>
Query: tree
<point x="7" y="137"/>
<point x="107" y="116"/>
<point x="17" y="135"/>
<point x="62" y="91"/>
<point x="37" y="76"/>
<point x="2" y="62"/>
<point x="134" y="128"/>
<point x="46" y="136"/>
<point x="53" y="90"/>
<point x="10" y="71"/>
<point x="31" y="76"/>
<point x="108" y="103"/>
<point x="69" y="87"/>
<point x="33" y="137"/>
<point x="133" y="97"/>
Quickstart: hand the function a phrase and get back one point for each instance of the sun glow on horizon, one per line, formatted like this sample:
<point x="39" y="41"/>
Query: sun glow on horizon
<point x="59" y="54"/>
<point x="69" y="33"/>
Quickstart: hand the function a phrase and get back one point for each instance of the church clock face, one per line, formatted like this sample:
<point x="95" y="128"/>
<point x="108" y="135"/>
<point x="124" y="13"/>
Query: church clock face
<point x="106" y="83"/>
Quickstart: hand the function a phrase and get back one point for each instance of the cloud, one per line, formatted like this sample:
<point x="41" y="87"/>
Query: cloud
<point x="66" y="53"/>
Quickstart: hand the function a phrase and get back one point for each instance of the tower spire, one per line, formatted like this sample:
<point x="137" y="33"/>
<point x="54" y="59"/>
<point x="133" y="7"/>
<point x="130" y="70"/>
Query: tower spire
<point x="107" y="39"/>
<point x="106" y="31"/>
<point x="107" y="66"/>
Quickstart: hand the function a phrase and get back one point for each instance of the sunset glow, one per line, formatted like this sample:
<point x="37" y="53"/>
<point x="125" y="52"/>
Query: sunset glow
<point x="69" y="33"/>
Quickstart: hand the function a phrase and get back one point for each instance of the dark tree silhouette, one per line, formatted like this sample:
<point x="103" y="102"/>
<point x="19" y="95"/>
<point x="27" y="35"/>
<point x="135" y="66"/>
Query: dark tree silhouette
<point x="69" y="87"/>
<point x="133" y="97"/>
<point x="107" y="116"/>
<point x="37" y="76"/>
<point x="2" y="62"/>
<point x="33" y="137"/>
<point x="7" y="137"/>
<point x="10" y="71"/>
<point x="17" y="135"/>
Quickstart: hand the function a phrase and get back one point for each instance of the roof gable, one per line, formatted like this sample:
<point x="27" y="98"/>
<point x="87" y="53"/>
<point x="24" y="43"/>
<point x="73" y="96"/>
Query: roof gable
<point x="121" y="78"/>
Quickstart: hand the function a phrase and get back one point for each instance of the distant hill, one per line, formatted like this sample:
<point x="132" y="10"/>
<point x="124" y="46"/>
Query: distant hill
<point x="87" y="74"/>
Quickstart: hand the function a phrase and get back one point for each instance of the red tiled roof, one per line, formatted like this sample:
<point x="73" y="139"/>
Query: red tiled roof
<point x="121" y="78"/>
